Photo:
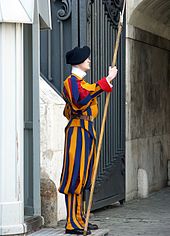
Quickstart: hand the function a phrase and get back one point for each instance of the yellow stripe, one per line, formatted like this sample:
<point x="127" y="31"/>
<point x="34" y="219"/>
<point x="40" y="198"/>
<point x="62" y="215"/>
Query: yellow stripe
<point x="88" y="87"/>
<point x="65" y="151"/>
<point x="69" y="205"/>
<point x="69" y="226"/>
<point x="75" y="122"/>
<point x="66" y="84"/>
<point x="86" y="124"/>
<point x="79" y="204"/>
<point x="96" y="90"/>
<point x="74" y="215"/>
<point x="79" y="210"/>
<point x="82" y="162"/>
<point x="77" y="76"/>
<point x="72" y="151"/>
<point x="94" y="107"/>
<point x="94" y="132"/>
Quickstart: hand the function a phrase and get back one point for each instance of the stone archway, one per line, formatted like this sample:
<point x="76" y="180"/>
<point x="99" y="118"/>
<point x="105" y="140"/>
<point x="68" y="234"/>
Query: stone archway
<point x="151" y="15"/>
<point x="147" y="96"/>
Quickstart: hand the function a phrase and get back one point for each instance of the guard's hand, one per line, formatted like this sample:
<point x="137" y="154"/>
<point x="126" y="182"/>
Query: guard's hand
<point x="112" y="73"/>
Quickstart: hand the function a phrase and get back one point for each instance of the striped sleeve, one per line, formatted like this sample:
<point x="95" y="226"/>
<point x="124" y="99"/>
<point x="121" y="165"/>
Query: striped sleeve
<point x="82" y="92"/>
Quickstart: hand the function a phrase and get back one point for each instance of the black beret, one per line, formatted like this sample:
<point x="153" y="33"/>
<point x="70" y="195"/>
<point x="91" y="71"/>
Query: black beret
<point x="77" y="55"/>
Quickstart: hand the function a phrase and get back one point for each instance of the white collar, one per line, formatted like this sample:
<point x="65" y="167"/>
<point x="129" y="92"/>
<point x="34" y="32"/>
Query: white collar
<point x="78" y="72"/>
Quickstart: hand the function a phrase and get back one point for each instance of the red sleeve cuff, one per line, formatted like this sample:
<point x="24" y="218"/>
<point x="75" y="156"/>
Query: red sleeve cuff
<point x="104" y="85"/>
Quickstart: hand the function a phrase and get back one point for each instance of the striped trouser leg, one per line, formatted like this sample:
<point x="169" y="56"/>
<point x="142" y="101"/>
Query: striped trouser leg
<point x="78" y="161"/>
<point x="79" y="213"/>
<point x="72" y="222"/>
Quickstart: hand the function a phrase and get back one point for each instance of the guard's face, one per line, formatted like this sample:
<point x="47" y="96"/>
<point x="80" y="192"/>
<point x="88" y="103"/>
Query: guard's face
<point x="85" y="66"/>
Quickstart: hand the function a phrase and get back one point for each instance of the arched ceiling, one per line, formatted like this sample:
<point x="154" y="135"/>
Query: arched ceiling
<point x="152" y="16"/>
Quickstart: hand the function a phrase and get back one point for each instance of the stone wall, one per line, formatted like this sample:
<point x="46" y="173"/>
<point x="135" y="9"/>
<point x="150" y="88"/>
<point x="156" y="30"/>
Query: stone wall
<point x="147" y="110"/>
<point x="150" y="15"/>
<point x="52" y="146"/>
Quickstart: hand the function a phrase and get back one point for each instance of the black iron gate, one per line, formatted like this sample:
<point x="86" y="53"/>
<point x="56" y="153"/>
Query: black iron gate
<point x="102" y="22"/>
<point x="92" y="22"/>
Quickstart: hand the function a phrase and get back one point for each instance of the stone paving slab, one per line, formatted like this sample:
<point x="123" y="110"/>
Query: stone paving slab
<point x="60" y="232"/>
<point x="141" y="217"/>
<point x="144" y="217"/>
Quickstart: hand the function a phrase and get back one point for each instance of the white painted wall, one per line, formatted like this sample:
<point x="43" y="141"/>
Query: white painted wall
<point x="12" y="14"/>
<point x="52" y="124"/>
<point x="11" y="127"/>
<point x="17" y="11"/>
<point x="44" y="9"/>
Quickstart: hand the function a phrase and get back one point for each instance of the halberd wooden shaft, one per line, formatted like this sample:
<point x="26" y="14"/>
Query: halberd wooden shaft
<point x="120" y="26"/>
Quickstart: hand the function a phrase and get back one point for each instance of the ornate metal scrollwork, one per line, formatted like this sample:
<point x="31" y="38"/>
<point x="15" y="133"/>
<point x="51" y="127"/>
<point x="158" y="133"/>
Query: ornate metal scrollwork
<point x="89" y="3"/>
<point x="65" y="12"/>
<point x="113" y="7"/>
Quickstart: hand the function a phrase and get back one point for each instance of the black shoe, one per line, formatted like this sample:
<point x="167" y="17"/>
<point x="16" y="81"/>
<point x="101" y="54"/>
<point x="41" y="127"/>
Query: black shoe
<point x="92" y="226"/>
<point x="76" y="231"/>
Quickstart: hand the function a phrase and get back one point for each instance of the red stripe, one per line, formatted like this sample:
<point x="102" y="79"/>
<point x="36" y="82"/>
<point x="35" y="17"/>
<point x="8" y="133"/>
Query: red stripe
<point x="104" y="85"/>
<point x="83" y="92"/>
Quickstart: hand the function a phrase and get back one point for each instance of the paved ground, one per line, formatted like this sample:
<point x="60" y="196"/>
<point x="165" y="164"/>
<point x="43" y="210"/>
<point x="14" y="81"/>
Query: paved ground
<point x="149" y="217"/>
<point x="60" y="232"/>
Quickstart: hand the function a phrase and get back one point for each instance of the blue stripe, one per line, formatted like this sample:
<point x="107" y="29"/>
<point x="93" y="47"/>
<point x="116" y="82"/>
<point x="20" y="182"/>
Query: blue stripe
<point x="96" y="94"/>
<point x="89" y="114"/>
<point x="66" y="201"/>
<point x="70" y="210"/>
<point x="76" y="161"/>
<point x="89" y="97"/>
<point x="88" y="143"/>
<point x="64" y="91"/>
<point x="90" y="173"/>
<point x="85" y="100"/>
<point x="90" y="128"/>
<point x="89" y="111"/>
<point x="62" y="173"/>
<point x="71" y="213"/>
<point x="75" y="91"/>
<point x="70" y="131"/>
<point x="82" y="123"/>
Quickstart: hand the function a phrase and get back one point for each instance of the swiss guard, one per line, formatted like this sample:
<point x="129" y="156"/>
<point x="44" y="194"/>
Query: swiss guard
<point x="80" y="137"/>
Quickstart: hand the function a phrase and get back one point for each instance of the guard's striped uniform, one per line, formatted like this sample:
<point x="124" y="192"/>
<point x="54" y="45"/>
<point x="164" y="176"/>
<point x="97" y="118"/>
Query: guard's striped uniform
<point x="80" y="141"/>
